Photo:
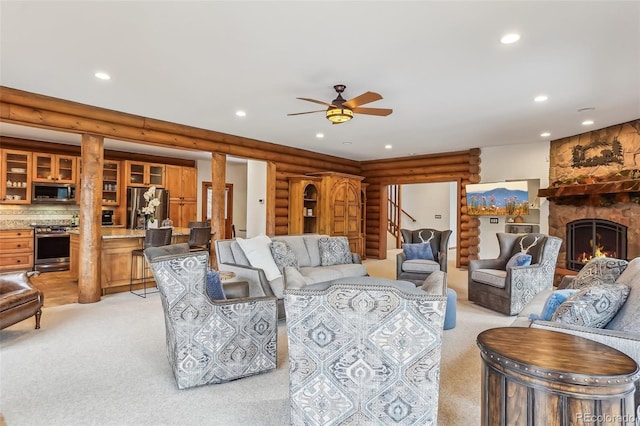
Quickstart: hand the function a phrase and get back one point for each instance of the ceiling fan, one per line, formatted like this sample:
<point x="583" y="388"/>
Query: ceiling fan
<point x="340" y="111"/>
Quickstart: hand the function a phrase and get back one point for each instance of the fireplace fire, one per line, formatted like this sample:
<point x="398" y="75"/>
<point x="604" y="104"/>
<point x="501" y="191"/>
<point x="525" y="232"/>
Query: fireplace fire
<point x="589" y="238"/>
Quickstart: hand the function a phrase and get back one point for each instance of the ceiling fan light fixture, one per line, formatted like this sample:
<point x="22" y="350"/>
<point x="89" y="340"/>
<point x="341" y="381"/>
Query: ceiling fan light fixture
<point x="339" y="115"/>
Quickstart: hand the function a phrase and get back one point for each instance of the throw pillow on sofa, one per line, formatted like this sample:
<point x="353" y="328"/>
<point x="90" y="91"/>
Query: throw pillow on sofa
<point x="215" y="291"/>
<point x="418" y="251"/>
<point x="592" y="306"/>
<point x="334" y="251"/>
<point x="551" y="305"/>
<point x="283" y="255"/>
<point x="599" y="270"/>
<point x="258" y="252"/>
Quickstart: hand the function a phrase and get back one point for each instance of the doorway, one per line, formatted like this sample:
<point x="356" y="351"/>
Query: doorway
<point x="229" y="229"/>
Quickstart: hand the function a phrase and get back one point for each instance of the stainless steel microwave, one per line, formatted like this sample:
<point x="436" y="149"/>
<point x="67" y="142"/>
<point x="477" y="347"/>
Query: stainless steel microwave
<point x="53" y="193"/>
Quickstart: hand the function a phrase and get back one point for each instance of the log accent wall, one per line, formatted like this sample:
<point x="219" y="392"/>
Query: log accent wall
<point x="462" y="167"/>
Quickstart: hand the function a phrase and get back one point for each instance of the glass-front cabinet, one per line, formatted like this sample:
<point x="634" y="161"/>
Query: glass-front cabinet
<point x="16" y="180"/>
<point x="144" y="174"/>
<point x="52" y="167"/>
<point x="110" y="183"/>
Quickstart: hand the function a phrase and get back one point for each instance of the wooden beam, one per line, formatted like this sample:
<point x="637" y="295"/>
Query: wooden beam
<point x="90" y="250"/>
<point x="218" y="183"/>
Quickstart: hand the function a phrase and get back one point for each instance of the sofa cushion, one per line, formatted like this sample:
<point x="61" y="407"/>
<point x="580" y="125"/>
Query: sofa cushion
<point x="297" y="244"/>
<point x="420" y="266"/>
<point x="334" y="251"/>
<point x="599" y="270"/>
<point x="319" y="274"/>
<point x="492" y="277"/>
<point x="238" y="255"/>
<point x="258" y="251"/>
<point x="519" y="259"/>
<point x="552" y="303"/>
<point x="311" y="242"/>
<point x="293" y="278"/>
<point x="418" y="251"/>
<point x="283" y="255"/>
<point x="628" y="317"/>
<point x="592" y="306"/>
<point x="215" y="290"/>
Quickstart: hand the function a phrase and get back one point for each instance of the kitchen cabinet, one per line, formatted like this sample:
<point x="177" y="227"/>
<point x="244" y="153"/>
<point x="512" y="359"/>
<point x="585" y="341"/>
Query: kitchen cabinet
<point x="53" y="167"/>
<point x="182" y="185"/>
<point x="142" y="174"/>
<point x="111" y="183"/>
<point x="15" y="169"/>
<point x="16" y="250"/>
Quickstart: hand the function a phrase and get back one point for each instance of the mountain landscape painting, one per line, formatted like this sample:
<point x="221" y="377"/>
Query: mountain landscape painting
<point x="498" y="199"/>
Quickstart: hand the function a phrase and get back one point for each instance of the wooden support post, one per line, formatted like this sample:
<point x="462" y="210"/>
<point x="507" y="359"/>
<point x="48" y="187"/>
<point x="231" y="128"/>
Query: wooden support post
<point x="89" y="253"/>
<point x="218" y="183"/>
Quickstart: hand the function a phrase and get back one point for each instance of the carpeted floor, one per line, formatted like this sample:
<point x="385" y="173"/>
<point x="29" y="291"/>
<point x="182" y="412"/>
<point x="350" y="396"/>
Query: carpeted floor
<point x="105" y="364"/>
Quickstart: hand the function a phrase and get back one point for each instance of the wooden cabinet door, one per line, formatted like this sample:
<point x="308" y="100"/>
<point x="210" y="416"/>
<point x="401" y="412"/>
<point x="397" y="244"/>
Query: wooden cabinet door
<point x="181" y="182"/>
<point x="142" y="174"/>
<point x="15" y="171"/>
<point x="54" y="168"/>
<point x="174" y="181"/>
<point x="189" y="180"/>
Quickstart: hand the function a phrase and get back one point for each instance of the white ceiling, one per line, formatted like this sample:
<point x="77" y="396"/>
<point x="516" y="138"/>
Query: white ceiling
<point x="438" y="64"/>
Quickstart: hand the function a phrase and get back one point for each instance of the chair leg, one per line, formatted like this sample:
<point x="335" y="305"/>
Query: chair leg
<point x="38" y="315"/>
<point x="144" y="292"/>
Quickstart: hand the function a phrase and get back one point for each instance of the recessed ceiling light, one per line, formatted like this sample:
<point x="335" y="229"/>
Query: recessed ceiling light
<point x="545" y="134"/>
<point x="510" y="38"/>
<point x="241" y="113"/>
<point x="319" y="135"/>
<point x="541" y="98"/>
<point x="587" y="122"/>
<point x="388" y="146"/>
<point x="102" y="76"/>
<point x="587" y="109"/>
<point x="346" y="143"/>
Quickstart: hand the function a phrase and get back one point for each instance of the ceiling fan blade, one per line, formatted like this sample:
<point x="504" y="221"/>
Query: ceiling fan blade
<point x="373" y="111"/>
<point x="315" y="101"/>
<point x="365" y="98"/>
<point x="308" y="112"/>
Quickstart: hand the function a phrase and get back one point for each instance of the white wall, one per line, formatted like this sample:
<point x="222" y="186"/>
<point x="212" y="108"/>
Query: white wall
<point x="499" y="163"/>
<point x="428" y="203"/>
<point x="256" y="198"/>
<point x="204" y="175"/>
<point x="237" y="175"/>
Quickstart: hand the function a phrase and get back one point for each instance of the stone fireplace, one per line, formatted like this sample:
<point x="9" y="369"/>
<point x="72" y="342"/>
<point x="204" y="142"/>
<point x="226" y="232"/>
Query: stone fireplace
<point x="595" y="190"/>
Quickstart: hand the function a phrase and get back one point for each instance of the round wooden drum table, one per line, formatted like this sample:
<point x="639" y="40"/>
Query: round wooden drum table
<point x="541" y="377"/>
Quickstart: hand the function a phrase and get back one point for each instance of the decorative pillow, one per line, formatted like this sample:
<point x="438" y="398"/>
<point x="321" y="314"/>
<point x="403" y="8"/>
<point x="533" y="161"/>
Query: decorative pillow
<point x="334" y="251"/>
<point x="215" y="291"/>
<point x="599" y="270"/>
<point x="418" y="251"/>
<point x="592" y="306"/>
<point x="283" y="255"/>
<point x="519" y="259"/>
<point x="532" y="246"/>
<point x="258" y="252"/>
<point x="551" y="305"/>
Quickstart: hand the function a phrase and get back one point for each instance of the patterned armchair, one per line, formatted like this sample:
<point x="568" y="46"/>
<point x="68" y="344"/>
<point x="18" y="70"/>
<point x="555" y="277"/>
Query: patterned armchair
<point x="210" y="341"/>
<point x="364" y="353"/>
<point x="508" y="290"/>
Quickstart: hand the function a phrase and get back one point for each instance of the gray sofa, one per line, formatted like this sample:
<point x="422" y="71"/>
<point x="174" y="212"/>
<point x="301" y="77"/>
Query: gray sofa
<point x="621" y="333"/>
<point x="230" y="257"/>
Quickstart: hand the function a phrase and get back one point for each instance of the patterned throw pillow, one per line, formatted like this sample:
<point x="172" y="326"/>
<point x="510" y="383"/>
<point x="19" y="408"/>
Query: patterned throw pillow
<point x="519" y="259"/>
<point x="334" y="251"/>
<point x="214" y="286"/>
<point x="418" y="251"/>
<point x="592" y="306"/>
<point x="599" y="270"/>
<point x="283" y="255"/>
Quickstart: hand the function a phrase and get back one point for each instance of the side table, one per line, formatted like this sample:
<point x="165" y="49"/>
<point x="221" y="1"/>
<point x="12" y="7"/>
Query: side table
<point x="543" y="377"/>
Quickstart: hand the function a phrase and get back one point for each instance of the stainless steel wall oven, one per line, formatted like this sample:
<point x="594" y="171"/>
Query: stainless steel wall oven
<point x="51" y="248"/>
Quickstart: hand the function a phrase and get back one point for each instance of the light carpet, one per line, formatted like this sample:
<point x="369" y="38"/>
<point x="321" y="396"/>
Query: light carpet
<point x="105" y="364"/>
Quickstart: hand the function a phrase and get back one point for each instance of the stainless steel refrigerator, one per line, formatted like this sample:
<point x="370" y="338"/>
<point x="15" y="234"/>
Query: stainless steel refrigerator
<point x="136" y="201"/>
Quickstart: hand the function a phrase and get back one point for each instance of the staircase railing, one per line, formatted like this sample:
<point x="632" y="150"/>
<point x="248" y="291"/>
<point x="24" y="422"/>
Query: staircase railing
<point x="395" y="212"/>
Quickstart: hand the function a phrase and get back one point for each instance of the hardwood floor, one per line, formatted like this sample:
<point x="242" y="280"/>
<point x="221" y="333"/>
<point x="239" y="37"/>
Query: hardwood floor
<point x="59" y="288"/>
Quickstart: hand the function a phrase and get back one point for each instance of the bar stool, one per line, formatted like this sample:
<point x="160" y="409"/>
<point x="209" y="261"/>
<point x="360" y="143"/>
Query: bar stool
<point x="200" y="238"/>
<point x="153" y="238"/>
<point x="198" y="224"/>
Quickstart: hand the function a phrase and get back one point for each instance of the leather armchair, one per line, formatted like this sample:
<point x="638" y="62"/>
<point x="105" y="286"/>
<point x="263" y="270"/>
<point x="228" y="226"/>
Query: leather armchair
<point x="364" y="352"/>
<point x="508" y="290"/>
<point x="210" y="341"/>
<point x="418" y="270"/>
<point x="19" y="299"/>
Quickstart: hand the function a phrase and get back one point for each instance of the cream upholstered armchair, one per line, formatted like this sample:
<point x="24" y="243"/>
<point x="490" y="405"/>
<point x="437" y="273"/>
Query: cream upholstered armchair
<point x="509" y="289"/>
<point x="364" y="352"/>
<point x="210" y="341"/>
<point x="418" y="270"/>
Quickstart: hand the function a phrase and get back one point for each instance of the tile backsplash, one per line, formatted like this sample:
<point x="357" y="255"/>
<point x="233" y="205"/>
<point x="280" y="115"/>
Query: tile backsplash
<point x="24" y="215"/>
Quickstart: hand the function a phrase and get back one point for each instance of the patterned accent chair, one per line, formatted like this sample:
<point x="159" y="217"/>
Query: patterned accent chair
<point x="417" y="270"/>
<point x="210" y="341"/>
<point x="508" y="290"/>
<point x="364" y="353"/>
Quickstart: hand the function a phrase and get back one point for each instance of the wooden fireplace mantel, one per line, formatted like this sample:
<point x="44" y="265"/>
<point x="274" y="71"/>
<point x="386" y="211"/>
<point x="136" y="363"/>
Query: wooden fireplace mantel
<point x="599" y="193"/>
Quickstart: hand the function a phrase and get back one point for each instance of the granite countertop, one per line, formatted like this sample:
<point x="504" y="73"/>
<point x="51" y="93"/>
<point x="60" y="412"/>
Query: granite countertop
<point x="112" y="233"/>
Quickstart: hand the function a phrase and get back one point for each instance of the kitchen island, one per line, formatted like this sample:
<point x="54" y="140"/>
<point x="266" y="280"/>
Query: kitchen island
<point x="117" y="245"/>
